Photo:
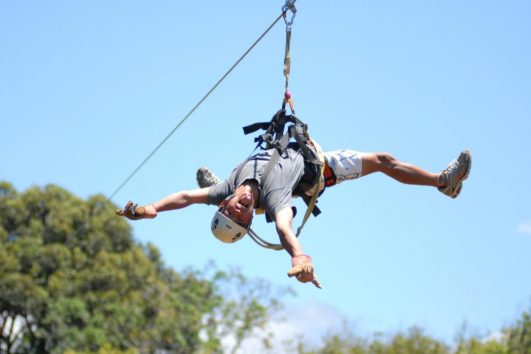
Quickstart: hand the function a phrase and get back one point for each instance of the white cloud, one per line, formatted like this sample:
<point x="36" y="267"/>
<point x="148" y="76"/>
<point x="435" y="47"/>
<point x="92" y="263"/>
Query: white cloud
<point x="525" y="228"/>
<point x="497" y="336"/>
<point x="310" y="320"/>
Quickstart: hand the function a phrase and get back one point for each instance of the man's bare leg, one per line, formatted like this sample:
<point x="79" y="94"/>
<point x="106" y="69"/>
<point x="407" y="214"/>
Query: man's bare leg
<point x="398" y="170"/>
<point x="449" y="181"/>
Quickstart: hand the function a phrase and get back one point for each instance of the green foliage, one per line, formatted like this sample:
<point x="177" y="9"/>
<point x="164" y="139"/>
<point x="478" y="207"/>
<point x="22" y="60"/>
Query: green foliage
<point x="412" y="342"/>
<point x="72" y="280"/>
<point x="106" y="349"/>
<point x="519" y="336"/>
<point x="477" y="346"/>
<point x="514" y="339"/>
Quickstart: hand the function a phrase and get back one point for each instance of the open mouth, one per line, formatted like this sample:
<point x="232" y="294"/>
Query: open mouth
<point x="242" y="207"/>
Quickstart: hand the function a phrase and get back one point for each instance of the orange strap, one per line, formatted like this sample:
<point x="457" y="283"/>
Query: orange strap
<point x="329" y="176"/>
<point x="288" y="99"/>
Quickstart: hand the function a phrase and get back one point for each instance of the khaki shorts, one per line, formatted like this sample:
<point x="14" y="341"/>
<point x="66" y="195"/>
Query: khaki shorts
<point x="346" y="164"/>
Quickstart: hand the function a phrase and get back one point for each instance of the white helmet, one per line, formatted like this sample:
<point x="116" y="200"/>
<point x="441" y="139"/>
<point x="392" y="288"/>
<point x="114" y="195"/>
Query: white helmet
<point x="225" y="229"/>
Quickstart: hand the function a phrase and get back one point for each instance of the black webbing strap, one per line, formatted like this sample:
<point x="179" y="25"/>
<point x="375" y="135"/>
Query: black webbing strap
<point x="273" y="160"/>
<point x="275" y="138"/>
<point x="301" y="137"/>
<point x="256" y="126"/>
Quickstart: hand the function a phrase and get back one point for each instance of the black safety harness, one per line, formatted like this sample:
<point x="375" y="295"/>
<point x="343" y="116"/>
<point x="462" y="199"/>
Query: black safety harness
<point x="278" y="138"/>
<point x="285" y="131"/>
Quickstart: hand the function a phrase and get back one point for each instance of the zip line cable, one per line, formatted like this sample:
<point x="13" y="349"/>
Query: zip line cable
<point x="289" y="5"/>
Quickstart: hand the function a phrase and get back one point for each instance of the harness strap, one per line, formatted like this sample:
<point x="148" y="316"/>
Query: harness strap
<point x="287" y="68"/>
<point x="256" y="126"/>
<point x="301" y="137"/>
<point x="329" y="176"/>
<point x="275" y="156"/>
<point x="318" y="184"/>
<point x="313" y="159"/>
<point x="287" y="56"/>
<point x="287" y="53"/>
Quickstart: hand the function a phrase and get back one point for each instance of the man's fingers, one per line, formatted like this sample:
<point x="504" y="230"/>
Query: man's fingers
<point x="131" y="211"/>
<point x="304" y="274"/>
<point x="122" y="212"/>
<point x="316" y="283"/>
<point x="296" y="270"/>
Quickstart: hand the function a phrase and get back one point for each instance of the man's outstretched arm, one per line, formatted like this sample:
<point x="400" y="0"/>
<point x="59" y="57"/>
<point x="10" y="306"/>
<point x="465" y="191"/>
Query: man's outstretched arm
<point x="173" y="201"/>
<point x="302" y="267"/>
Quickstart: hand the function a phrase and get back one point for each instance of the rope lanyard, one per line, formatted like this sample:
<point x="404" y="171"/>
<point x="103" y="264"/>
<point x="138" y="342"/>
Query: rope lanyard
<point x="289" y="6"/>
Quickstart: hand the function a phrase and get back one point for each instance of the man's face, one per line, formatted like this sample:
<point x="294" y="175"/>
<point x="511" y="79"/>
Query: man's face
<point x="239" y="208"/>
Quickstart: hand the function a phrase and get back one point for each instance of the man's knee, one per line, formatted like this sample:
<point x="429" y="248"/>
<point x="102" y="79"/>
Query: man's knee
<point x="385" y="160"/>
<point x="377" y="162"/>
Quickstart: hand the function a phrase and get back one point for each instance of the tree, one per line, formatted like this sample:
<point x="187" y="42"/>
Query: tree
<point x="73" y="280"/>
<point x="511" y="340"/>
<point x="519" y="335"/>
<point x="414" y="341"/>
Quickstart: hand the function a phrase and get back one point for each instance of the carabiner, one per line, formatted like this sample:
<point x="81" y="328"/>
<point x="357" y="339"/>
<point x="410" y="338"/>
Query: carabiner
<point x="289" y="6"/>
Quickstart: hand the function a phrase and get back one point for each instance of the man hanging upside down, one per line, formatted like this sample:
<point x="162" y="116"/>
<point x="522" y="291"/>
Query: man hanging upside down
<point x="244" y="191"/>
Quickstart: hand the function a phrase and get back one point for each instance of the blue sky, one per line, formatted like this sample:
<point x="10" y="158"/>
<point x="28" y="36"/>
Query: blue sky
<point x="88" y="89"/>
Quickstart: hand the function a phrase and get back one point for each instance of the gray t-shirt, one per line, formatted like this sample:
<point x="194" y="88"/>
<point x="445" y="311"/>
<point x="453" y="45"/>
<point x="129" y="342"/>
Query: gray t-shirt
<point x="276" y="191"/>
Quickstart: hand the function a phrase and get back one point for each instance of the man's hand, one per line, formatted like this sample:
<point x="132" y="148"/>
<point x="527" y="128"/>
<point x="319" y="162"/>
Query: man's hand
<point x="302" y="269"/>
<point x="132" y="211"/>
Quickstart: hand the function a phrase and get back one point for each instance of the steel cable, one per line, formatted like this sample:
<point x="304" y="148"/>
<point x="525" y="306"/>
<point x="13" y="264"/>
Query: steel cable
<point x="198" y="104"/>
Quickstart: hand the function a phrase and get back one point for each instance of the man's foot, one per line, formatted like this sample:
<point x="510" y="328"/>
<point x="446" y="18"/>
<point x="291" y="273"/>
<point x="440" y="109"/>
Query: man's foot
<point x="451" y="179"/>
<point x="205" y="178"/>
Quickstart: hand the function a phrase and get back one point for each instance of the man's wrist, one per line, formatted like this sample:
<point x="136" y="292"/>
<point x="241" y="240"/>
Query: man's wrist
<point x="300" y="259"/>
<point x="150" y="212"/>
